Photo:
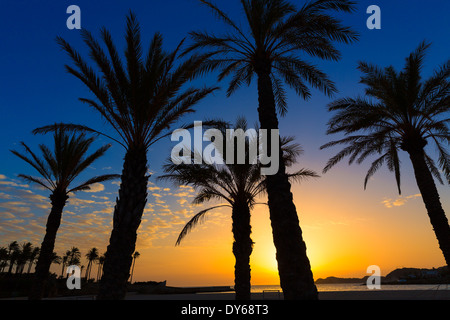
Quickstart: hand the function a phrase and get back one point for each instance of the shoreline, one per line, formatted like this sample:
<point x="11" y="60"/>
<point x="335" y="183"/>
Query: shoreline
<point x="323" y="295"/>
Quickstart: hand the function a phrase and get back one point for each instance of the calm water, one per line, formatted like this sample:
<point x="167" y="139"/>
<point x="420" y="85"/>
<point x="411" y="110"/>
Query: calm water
<point x="358" y="287"/>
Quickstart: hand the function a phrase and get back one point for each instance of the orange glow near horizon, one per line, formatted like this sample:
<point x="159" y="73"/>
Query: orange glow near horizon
<point x="342" y="237"/>
<point x="345" y="231"/>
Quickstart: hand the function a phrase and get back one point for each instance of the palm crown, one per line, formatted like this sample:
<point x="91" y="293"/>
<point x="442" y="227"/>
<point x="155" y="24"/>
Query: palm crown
<point x="277" y="34"/>
<point x="233" y="183"/>
<point x="60" y="167"/>
<point x="400" y="111"/>
<point x="141" y="99"/>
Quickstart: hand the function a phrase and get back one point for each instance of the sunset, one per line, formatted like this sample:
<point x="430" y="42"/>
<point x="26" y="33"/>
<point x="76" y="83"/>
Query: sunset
<point x="71" y="99"/>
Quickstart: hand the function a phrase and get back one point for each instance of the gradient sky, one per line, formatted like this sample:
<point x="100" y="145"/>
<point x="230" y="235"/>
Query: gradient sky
<point x="346" y="229"/>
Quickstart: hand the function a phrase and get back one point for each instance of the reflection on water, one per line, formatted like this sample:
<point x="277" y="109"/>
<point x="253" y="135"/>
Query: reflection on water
<point x="360" y="287"/>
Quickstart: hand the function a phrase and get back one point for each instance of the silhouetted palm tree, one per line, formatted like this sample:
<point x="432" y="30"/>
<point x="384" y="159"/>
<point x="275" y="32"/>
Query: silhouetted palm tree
<point x="73" y="257"/>
<point x="136" y="255"/>
<point x="23" y="256"/>
<point x="100" y="262"/>
<point x="272" y="48"/>
<point x="56" y="259"/>
<point x="3" y="258"/>
<point x="13" y="249"/>
<point x="92" y="256"/>
<point x="400" y="112"/>
<point x="64" y="262"/>
<point x="141" y="101"/>
<point x="33" y="257"/>
<point x="238" y="185"/>
<point x="58" y="169"/>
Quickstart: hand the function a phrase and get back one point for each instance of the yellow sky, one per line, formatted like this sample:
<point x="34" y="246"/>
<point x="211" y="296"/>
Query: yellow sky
<point x="346" y="229"/>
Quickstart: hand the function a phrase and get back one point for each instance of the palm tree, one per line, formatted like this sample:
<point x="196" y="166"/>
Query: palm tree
<point x="3" y="258"/>
<point x="141" y="102"/>
<point x="56" y="259"/>
<point x="13" y="253"/>
<point x="73" y="257"/>
<point x="58" y="170"/>
<point x="64" y="262"/>
<point x="100" y="262"/>
<point x="13" y="247"/>
<point x="92" y="256"/>
<point x="136" y="255"/>
<point x="33" y="257"/>
<point x="272" y="48"/>
<point x="23" y="257"/>
<point x="400" y="112"/>
<point x="236" y="184"/>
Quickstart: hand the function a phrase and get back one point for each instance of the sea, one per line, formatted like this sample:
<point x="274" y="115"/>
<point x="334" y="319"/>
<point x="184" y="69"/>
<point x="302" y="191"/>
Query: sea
<point x="356" y="287"/>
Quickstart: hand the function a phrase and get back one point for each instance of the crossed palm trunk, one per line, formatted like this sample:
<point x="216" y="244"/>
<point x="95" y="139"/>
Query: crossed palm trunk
<point x="276" y="38"/>
<point x="239" y="185"/>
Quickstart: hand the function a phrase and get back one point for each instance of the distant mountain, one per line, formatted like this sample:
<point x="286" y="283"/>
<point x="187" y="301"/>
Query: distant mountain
<point x="334" y="280"/>
<point x="409" y="274"/>
<point x="401" y="275"/>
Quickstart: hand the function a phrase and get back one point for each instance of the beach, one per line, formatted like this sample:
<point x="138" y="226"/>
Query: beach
<point x="326" y="295"/>
<point x="259" y="296"/>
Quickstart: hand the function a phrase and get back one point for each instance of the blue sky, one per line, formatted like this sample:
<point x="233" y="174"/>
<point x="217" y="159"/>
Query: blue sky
<point x="36" y="90"/>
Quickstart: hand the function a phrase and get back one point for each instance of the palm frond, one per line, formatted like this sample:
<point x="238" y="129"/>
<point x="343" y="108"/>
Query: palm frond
<point x="198" y="218"/>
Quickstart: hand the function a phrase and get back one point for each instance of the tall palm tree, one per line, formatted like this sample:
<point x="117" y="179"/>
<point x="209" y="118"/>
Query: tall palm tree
<point x="13" y="247"/>
<point x="73" y="257"/>
<point x="64" y="259"/>
<point x="3" y="258"/>
<point x="33" y="257"/>
<point x="92" y="256"/>
<point x="56" y="259"/>
<point x="136" y="255"/>
<point x="24" y="255"/>
<point x="238" y="185"/>
<point x="272" y="48"/>
<point x="400" y="111"/>
<point x="58" y="170"/>
<point x="13" y="253"/>
<point x="100" y="262"/>
<point x="140" y="101"/>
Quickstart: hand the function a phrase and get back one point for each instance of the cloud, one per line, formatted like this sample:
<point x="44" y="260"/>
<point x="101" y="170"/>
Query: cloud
<point x="2" y="177"/>
<point x="400" y="201"/>
<point x="13" y="184"/>
<point x="96" y="187"/>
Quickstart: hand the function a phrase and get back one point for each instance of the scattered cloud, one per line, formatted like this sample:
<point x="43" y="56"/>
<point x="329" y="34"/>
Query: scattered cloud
<point x="96" y="187"/>
<point x="400" y="201"/>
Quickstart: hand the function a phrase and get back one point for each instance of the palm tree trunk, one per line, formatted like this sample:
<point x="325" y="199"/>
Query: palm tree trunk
<point x="296" y="278"/>
<point x="132" y="270"/>
<point x="242" y="249"/>
<point x="127" y="218"/>
<point x="58" y="199"/>
<point x="430" y="197"/>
